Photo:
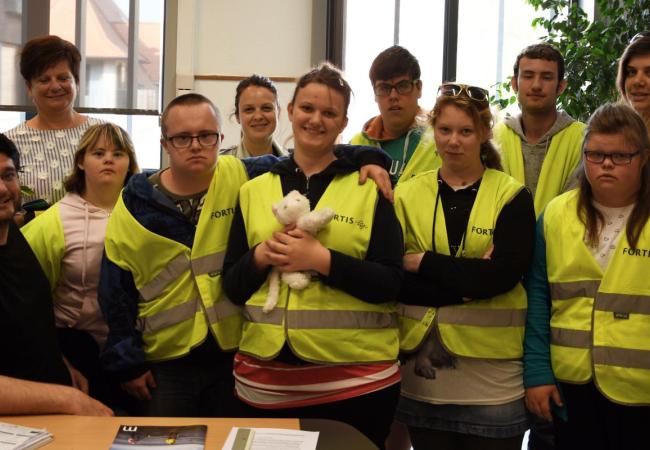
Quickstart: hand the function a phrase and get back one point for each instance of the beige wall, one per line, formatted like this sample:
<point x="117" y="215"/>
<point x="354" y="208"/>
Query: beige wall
<point x="226" y="37"/>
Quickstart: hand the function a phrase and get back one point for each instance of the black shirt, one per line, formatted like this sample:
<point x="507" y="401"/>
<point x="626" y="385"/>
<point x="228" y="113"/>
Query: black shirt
<point x="445" y="280"/>
<point x="376" y="279"/>
<point x="29" y="347"/>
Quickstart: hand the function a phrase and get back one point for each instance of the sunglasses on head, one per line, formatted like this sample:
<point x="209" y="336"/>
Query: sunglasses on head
<point x="473" y="92"/>
<point x="641" y="35"/>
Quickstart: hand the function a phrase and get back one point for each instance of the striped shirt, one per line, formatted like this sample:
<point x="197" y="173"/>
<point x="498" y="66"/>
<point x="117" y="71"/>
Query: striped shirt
<point x="277" y="385"/>
<point x="46" y="157"/>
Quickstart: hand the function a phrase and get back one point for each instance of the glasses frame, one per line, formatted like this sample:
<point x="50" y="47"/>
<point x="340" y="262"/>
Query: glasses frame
<point x="468" y="91"/>
<point x="411" y="86"/>
<point x="627" y="157"/>
<point x="198" y="137"/>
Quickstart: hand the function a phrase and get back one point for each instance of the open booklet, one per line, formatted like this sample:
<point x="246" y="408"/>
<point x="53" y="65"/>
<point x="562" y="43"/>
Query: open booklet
<point x="17" y="437"/>
<point x="145" y="437"/>
<point x="270" y="439"/>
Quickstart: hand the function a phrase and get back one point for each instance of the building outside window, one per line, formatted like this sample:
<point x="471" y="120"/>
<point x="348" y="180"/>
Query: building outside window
<point x="111" y="42"/>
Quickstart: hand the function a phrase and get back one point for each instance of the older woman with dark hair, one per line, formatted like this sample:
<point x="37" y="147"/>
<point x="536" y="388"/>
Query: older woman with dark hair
<point x="633" y="79"/>
<point x="47" y="142"/>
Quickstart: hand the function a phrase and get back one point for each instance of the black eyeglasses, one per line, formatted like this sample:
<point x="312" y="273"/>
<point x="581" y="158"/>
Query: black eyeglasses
<point x="473" y="92"/>
<point x="402" y="87"/>
<point x="617" y="158"/>
<point x="183" y="141"/>
<point x="643" y="34"/>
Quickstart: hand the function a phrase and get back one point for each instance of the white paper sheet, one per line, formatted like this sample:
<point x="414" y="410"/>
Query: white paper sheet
<point x="276" y="439"/>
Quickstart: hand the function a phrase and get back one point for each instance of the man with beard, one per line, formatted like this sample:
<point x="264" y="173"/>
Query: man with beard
<point x="33" y="375"/>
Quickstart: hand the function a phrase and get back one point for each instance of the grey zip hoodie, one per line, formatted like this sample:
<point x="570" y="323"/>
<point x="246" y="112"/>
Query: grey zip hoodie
<point x="534" y="154"/>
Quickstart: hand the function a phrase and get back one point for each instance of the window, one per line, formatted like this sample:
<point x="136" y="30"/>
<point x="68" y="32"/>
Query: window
<point x="120" y="78"/>
<point x="490" y="35"/>
<point x="417" y="25"/>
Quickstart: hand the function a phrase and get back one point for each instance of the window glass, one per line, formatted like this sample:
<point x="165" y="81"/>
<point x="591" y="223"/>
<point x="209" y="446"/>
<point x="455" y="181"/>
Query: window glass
<point x="421" y="31"/>
<point x="149" y="73"/>
<point x="491" y="33"/>
<point x="145" y="134"/>
<point x="11" y="30"/>
<point x="105" y="64"/>
<point x="369" y="30"/>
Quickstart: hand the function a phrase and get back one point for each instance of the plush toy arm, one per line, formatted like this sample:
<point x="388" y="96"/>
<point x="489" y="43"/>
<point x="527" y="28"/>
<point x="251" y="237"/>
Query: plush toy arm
<point x="274" y="291"/>
<point x="315" y="220"/>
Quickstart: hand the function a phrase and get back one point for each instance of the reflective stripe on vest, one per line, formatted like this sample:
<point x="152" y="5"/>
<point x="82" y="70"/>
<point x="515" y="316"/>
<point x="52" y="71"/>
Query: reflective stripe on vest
<point x="167" y="273"/>
<point x="563" y="156"/>
<point x="424" y="158"/>
<point x="325" y="319"/>
<point x="600" y="324"/>
<point x="488" y="329"/>
<point x="319" y="323"/>
<point x="164" y="278"/>
<point x="479" y="317"/>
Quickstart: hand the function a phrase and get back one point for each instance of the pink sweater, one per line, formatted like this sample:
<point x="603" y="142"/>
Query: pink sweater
<point x="72" y="261"/>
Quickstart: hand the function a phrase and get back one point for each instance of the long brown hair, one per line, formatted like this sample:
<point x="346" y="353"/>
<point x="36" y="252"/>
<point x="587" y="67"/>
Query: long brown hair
<point x="620" y="119"/>
<point x="639" y="46"/>
<point x="481" y="117"/>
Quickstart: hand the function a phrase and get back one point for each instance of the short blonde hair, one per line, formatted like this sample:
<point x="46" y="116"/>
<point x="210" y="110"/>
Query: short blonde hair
<point x="76" y="181"/>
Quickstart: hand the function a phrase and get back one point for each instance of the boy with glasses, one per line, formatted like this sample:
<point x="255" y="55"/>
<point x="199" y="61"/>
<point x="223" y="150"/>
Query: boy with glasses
<point x="541" y="147"/>
<point x="400" y="129"/>
<point x="171" y="330"/>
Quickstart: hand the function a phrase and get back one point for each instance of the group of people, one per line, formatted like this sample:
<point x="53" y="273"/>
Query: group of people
<point x="504" y="277"/>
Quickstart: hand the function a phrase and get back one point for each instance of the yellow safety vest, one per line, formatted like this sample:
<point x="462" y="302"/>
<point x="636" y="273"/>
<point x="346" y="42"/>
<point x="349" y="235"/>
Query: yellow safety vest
<point x="424" y="158"/>
<point x="49" y="247"/>
<point x="180" y="287"/>
<point x="320" y="324"/>
<point x="600" y="322"/>
<point x="564" y="155"/>
<point x="486" y="328"/>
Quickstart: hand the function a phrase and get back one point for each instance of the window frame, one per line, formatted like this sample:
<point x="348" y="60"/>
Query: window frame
<point x="36" y="22"/>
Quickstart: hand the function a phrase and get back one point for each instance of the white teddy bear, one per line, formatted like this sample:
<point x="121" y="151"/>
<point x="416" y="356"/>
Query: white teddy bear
<point x="294" y="209"/>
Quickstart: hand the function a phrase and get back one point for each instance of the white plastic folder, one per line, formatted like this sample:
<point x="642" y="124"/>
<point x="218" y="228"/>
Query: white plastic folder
<point x="270" y="439"/>
<point x="17" y="437"/>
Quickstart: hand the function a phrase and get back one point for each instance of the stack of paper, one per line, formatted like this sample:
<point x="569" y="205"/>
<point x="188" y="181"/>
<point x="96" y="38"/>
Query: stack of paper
<point x="270" y="439"/>
<point x="16" y="437"/>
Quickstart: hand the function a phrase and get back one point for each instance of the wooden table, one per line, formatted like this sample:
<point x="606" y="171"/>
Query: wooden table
<point x="90" y="433"/>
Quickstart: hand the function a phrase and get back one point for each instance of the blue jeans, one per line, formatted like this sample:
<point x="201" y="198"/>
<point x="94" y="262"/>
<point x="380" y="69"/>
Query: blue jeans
<point x="188" y="390"/>
<point x="491" y="421"/>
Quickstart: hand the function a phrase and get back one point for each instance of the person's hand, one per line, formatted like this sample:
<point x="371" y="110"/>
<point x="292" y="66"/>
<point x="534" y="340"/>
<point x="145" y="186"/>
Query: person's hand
<point x="262" y="255"/>
<point x="488" y="252"/>
<point x="139" y="387"/>
<point x="19" y="218"/>
<point x="82" y="405"/>
<point x="538" y="400"/>
<point x="412" y="262"/>
<point x="381" y="178"/>
<point x="298" y="250"/>
<point x="78" y="380"/>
